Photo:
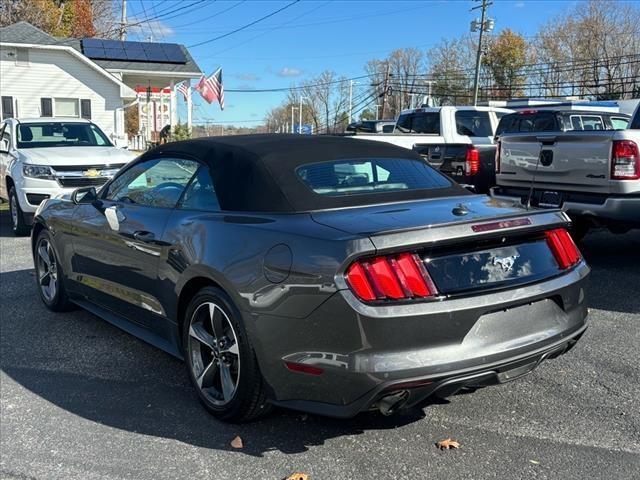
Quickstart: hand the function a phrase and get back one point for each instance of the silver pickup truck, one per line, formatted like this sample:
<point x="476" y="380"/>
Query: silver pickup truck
<point x="594" y="175"/>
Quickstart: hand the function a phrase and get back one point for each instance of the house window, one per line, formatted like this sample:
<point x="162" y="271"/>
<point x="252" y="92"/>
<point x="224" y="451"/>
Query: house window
<point x="67" y="107"/>
<point x="85" y="108"/>
<point x="22" y="57"/>
<point x="46" y="107"/>
<point x="7" y="107"/>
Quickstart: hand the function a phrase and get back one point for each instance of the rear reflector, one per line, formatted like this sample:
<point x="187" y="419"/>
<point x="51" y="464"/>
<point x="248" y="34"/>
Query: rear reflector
<point x="498" y="146"/>
<point x="487" y="227"/>
<point x="563" y="247"/>
<point x="625" y="160"/>
<point x="472" y="161"/>
<point x="304" y="368"/>
<point x="390" y="277"/>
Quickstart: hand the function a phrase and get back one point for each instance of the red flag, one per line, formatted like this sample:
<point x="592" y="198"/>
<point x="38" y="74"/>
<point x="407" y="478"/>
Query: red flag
<point x="211" y="88"/>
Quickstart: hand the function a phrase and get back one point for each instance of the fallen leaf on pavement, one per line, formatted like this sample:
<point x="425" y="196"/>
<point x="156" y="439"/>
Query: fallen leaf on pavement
<point x="237" y="443"/>
<point x="297" y="476"/>
<point x="535" y="462"/>
<point x="447" y="444"/>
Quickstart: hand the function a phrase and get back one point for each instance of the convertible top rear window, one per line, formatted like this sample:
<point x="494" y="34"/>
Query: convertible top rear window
<point x="279" y="173"/>
<point x="370" y="175"/>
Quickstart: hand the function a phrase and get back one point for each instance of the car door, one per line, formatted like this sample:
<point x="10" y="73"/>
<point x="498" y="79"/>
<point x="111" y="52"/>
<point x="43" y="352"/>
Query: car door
<point x="117" y="240"/>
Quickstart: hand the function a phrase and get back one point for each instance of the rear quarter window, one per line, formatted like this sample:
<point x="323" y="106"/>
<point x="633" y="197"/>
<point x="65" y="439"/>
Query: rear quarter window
<point x="619" y="123"/>
<point x="419" y="122"/>
<point x="473" y="124"/>
<point x="366" y="176"/>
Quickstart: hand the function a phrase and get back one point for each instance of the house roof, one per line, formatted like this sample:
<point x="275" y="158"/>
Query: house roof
<point x="24" y="32"/>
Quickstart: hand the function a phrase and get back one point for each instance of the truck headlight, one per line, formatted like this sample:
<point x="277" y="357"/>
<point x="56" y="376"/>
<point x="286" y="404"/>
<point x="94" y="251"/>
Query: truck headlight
<point x="37" y="171"/>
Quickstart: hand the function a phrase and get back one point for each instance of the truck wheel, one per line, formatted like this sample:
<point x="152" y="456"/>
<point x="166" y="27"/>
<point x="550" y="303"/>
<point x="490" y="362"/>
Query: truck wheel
<point x="18" y="225"/>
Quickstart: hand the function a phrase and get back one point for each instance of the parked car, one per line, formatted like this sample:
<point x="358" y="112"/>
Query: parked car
<point x="584" y="162"/>
<point x="457" y="141"/>
<point x="323" y="274"/>
<point x="44" y="157"/>
<point x="551" y="120"/>
<point x="372" y="126"/>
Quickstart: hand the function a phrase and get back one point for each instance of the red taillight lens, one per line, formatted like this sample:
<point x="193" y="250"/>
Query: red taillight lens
<point x="393" y="277"/>
<point x="472" y="161"/>
<point x="625" y="160"/>
<point x="563" y="247"/>
<point x="498" y="145"/>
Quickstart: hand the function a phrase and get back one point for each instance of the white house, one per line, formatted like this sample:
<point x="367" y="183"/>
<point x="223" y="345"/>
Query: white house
<point x="41" y="76"/>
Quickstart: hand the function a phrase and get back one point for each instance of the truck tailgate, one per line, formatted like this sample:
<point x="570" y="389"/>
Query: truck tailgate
<point x="570" y="161"/>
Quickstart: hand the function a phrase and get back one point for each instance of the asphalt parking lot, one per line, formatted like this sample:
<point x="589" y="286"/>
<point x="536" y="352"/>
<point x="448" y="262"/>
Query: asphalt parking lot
<point x="82" y="400"/>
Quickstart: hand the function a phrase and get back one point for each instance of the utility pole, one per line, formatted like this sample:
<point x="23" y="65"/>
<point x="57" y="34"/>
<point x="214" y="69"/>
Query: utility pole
<point x="481" y="27"/>
<point x="300" y="116"/>
<point x="384" y="92"/>
<point x="123" y="21"/>
<point x="350" y="100"/>
<point x="293" y="129"/>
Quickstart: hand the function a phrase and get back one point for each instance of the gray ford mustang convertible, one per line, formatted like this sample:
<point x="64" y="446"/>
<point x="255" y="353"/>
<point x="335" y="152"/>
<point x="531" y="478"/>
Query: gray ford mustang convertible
<point x="322" y="274"/>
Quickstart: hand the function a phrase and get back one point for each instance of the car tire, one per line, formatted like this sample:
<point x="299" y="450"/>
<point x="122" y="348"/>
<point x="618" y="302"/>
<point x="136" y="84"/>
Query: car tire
<point x="49" y="275"/>
<point x="18" y="224"/>
<point x="219" y="355"/>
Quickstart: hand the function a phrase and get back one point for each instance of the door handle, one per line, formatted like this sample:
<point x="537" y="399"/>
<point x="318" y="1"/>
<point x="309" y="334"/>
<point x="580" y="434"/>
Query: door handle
<point x="142" y="236"/>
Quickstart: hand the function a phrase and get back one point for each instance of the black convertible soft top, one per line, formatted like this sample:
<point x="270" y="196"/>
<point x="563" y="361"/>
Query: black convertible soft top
<point x="257" y="173"/>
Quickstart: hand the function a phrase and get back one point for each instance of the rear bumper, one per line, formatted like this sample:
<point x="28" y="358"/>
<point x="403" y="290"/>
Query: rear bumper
<point x="609" y="209"/>
<point x="367" y="353"/>
<point x="410" y="392"/>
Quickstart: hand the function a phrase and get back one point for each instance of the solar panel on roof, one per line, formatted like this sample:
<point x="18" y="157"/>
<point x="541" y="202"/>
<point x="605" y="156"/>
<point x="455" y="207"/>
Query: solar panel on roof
<point x="105" y="49"/>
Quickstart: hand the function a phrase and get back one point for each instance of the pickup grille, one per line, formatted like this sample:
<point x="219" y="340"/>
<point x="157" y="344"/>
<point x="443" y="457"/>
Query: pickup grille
<point x="78" y="182"/>
<point x="76" y="176"/>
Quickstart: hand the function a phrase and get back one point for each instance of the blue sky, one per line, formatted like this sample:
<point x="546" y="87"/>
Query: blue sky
<point x="309" y="37"/>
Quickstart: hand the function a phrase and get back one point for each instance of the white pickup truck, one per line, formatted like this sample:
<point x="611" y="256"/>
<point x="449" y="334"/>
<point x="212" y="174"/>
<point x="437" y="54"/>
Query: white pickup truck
<point x="46" y="157"/>
<point x="594" y="175"/>
<point x="457" y="141"/>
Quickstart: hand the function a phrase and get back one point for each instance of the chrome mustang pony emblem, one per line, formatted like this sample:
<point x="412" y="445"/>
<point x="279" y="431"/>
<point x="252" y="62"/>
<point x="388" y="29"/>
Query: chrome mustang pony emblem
<point x="505" y="262"/>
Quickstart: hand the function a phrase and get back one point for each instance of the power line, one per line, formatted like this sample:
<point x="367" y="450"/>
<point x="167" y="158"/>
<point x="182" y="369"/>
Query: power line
<point x="268" y="31"/>
<point x="209" y="17"/>
<point x="244" y="26"/>
<point x="287" y="89"/>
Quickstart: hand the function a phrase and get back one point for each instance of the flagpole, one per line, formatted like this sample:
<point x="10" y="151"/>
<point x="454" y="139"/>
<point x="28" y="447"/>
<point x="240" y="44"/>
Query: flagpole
<point x="189" y="107"/>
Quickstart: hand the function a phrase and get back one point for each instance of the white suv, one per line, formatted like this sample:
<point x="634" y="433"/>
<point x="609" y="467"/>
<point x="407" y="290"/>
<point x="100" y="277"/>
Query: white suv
<point x="46" y="157"/>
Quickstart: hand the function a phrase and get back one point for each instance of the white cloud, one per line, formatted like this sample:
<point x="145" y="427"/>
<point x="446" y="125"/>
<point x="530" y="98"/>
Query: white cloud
<point x="519" y="4"/>
<point x="289" y="72"/>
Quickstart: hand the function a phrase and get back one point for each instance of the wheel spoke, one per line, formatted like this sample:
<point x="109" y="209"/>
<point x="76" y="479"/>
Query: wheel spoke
<point x="198" y="332"/>
<point x="228" y="386"/>
<point x="216" y="321"/>
<point x="208" y="374"/>
<point x="44" y="255"/>
<point x="43" y="277"/>
<point x="233" y="349"/>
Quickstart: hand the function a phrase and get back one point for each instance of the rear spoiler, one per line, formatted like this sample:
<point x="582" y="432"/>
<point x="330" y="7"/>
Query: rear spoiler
<point x="446" y="233"/>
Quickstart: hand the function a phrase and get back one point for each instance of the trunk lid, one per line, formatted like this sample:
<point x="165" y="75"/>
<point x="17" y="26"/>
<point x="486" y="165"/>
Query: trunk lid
<point x="467" y="244"/>
<point x="387" y="218"/>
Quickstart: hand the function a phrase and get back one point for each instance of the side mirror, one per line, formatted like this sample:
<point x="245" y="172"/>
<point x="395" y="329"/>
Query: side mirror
<point x="84" y="196"/>
<point x="4" y="146"/>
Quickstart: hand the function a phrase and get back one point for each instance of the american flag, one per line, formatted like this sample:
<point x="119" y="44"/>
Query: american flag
<point x="184" y="88"/>
<point x="211" y="88"/>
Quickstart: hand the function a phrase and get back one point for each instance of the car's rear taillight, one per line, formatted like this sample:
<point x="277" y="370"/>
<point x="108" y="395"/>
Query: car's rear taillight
<point x="498" y="145"/>
<point x="625" y="160"/>
<point x="390" y="277"/>
<point x="472" y="161"/>
<point x="563" y="247"/>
